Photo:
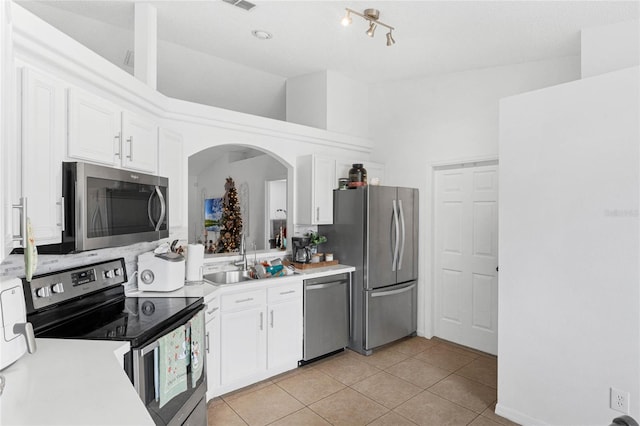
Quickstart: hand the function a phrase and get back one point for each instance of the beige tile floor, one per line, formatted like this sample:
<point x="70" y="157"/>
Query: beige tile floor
<point x="415" y="381"/>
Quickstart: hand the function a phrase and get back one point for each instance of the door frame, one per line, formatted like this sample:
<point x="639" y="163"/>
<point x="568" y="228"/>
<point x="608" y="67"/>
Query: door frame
<point x="429" y="319"/>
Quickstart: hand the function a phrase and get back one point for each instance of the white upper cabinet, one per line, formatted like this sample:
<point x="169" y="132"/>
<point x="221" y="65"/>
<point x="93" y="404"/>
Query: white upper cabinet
<point x="314" y="189"/>
<point x="42" y="130"/>
<point x="170" y="165"/>
<point x="94" y="129"/>
<point x="139" y="144"/>
<point x="99" y="131"/>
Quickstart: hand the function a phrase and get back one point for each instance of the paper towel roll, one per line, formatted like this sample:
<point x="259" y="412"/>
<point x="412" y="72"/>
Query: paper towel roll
<point x="193" y="267"/>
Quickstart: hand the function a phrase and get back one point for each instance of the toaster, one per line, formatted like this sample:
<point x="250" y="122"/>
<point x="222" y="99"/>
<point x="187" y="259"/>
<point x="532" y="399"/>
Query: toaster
<point x="160" y="272"/>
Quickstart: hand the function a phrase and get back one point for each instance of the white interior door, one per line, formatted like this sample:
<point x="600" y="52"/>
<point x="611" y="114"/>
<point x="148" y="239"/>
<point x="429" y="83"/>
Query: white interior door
<point x="466" y="256"/>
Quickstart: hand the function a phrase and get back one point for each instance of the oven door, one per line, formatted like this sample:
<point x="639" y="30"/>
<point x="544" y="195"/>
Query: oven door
<point x="187" y="407"/>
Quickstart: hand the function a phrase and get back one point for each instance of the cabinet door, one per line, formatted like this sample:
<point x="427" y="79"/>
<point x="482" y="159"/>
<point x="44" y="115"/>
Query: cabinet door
<point x="139" y="143"/>
<point x="212" y="317"/>
<point x="323" y="186"/>
<point x="242" y="344"/>
<point x="171" y="165"/>
<point x="284" y="343"/>
<point x="43" y="131"/>
<point x="94" y="129"/>
<point x="7" y="129"/>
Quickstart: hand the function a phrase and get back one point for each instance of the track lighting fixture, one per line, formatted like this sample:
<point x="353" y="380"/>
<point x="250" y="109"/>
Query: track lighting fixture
<point x="372" y="16"/>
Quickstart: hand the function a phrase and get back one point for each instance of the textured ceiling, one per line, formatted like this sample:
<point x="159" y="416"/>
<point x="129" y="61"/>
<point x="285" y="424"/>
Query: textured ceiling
<point x="433" y="37"/>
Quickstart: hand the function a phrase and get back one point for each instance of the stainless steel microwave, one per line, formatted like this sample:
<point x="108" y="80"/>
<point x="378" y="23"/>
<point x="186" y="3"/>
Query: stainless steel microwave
<point x="107" y="207"/>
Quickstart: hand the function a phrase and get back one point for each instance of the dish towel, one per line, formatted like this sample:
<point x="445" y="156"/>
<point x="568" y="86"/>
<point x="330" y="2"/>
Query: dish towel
<point x="172" y="368"/>
<point x="197" y="347"/>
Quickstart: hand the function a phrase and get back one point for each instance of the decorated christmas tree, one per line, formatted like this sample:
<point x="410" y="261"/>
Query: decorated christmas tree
<point x="231" y="221"/>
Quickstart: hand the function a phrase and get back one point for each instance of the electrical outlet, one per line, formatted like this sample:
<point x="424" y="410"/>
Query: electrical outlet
<point x="619" y="400"/>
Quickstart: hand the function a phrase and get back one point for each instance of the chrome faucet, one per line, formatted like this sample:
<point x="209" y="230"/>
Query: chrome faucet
<point x="243" y="253"/>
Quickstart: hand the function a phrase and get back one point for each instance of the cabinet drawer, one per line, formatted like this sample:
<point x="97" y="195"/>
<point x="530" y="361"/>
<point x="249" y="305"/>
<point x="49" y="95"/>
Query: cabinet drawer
<point x="244" y="300"/>
<point x="211" y="310"/>
<point x="284" y="292"/>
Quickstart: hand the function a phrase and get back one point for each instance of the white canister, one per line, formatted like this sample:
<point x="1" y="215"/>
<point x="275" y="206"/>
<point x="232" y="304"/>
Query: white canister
<point x="328" y="257"/>
<point x="195" y="258"/>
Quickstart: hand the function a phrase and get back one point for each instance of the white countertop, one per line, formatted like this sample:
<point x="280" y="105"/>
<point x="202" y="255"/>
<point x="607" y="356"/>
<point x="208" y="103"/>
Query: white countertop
<point x="205" y="289"/>
<point x="71" y="382"/>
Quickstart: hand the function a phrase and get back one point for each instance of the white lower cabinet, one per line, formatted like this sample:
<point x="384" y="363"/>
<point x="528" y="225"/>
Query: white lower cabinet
<point x="284" y="325"/>
<point x="260" y="335"/>
<point x="212" y="341"/>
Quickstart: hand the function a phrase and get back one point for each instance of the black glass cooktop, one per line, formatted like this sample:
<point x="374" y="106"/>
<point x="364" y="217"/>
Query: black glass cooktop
<point x="137" y="320"/>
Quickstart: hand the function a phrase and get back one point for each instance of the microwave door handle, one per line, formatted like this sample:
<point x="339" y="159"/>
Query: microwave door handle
<point x="153" y="224"/>
<point x="163" y="208"/>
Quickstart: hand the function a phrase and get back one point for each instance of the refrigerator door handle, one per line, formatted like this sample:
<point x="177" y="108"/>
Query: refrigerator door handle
<point x="403" y="234"/>
<point x="397" y="237"/>
<point x="392" y="292"/>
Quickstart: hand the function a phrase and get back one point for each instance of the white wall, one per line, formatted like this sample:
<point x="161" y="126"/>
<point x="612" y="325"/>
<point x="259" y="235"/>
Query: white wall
<point x="193" y="76"/>
<point x="569" y="251"/>
<point x="347" y="105"/>
<point x="306" y="100"/>
<point x="328" y="100"/>
<point x="609" y="48"/>
<point x="447" y="119"/>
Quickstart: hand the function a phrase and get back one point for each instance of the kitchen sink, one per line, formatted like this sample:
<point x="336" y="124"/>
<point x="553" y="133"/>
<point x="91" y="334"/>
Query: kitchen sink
<point x="228" y="277"/>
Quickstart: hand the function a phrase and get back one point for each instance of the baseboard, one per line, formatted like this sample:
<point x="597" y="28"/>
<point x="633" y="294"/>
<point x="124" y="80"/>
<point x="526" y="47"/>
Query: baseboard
<point x="517" y="417"/>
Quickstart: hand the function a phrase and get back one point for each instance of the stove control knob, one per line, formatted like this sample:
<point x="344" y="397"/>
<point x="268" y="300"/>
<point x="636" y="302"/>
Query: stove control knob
<point x="109" y="274"/>
<point x="43" y="292"/>
<point x="57" y="288"/>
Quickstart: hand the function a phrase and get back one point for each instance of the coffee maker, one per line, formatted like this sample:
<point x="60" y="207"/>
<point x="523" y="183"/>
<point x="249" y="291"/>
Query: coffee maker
<point x="301" y="252"/>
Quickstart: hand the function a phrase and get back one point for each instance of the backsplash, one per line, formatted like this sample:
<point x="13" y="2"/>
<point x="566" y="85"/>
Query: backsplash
<point x="13" y="265"/>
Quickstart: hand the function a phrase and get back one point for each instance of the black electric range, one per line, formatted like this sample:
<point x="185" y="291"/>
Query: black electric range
<point x="89" y="303"/>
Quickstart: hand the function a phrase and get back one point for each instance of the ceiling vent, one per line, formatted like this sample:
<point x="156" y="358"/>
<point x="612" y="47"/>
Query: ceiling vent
<point x="242" y="4"/>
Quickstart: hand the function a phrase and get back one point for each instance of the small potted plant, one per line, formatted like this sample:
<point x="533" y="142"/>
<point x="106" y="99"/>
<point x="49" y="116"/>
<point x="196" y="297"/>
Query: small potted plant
<point x="314" y="240"/>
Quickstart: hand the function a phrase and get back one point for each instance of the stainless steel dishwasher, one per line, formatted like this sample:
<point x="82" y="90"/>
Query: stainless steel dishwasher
<point x="326" y="315"/>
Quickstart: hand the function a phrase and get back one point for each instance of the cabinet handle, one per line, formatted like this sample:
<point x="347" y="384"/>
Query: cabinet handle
<point x="22" y="236"/>
<point x="261" y="321"/>
<point x="317" y="213"/>
<point x="130" y="156"/>
<point x="206" y="343"/>
<point x="248" y="299"/>
<point x="213" y="310"/>
<point x="272" y="318"/>
<point x="61" y="204"/>
<point x="287" y="292"/>
<point x="117" y="138"/>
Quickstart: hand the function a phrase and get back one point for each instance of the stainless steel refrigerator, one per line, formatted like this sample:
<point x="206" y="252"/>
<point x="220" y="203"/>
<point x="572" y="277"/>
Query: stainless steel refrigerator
<point x="375" y="229"/>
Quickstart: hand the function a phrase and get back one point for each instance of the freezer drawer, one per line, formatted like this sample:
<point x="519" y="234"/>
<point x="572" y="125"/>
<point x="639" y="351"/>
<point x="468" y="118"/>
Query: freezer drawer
<point x="391" y="313"/>
<point x="326" y="315"/>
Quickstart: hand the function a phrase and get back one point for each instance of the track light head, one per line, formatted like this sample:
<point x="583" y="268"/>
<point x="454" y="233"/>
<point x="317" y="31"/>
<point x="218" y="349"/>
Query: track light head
<point x="372" y="29"/>
<point x="390" y="40"/>
<point x="346" y="21"/>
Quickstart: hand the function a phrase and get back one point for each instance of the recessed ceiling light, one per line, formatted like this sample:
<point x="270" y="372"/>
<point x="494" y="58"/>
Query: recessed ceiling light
<point x="261" y="34"/>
